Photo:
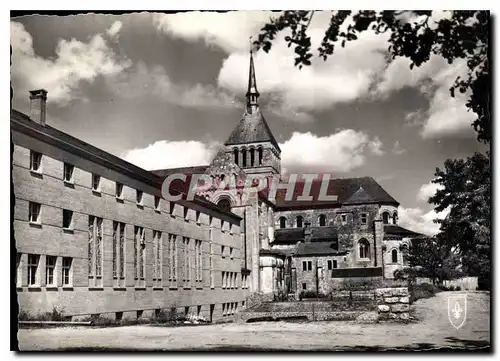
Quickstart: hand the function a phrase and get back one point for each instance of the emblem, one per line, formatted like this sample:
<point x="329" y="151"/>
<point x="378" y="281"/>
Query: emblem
<point x="457" y="310"/>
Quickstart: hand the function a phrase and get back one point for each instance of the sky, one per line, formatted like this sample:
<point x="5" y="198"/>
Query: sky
<point x="166" y="90"/>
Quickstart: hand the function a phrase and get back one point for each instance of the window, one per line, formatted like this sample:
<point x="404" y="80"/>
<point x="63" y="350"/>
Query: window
<point x="35" y="162"/>
<point x="223" y="251"/>
<point x="330" y="264"/>
<point x="395" y="218"/>
<point x="198" y="263"/>
<point x="385" y="217"/>
<point x="66" y="271"/>
<point x="334" y="263"/>
<point x="364" y="249"/>
<point x="260" y="156"/>
<point x="67" y="219"/>
<point x="95" y="252"/>
<point x="34" y="212"/>
<point x="119" y="254"/>
<point x="187" y="263"/>
<point x="235" y="155"/>
<point x="282" y="222"/>
<point x="223" y="279"/>
<point x="198" y="217"/>
<point x="364" y="218"/>
<point x="231" y="252"/>
<point x="157" y="204"/>
<point x="299" y="221"/>
<point x="244" y="158"/>
<point x="18" y="270"/>
<point x="68" y="173"/>
<point x="212" y="285"/>
<point x="322" y="220"/>
<point x="138" y="197"/>
<point x="157" y="254"/>
<point x="119" y="190"/>
<point x="306" y="265"/>
<point x="394" y="256"/>
<point x="304" y="286"/>
<point x="173" y="260"/>
<point x="33" y="260"/>
<point x="139" y="256"/>
<point x="224" y="205"/>
<point x="252" y="157"/>
<point x="50" y="266"/>
<point x="96" y="183"/>
<point x="343" y="218"/>
<point x="172" y="208"/>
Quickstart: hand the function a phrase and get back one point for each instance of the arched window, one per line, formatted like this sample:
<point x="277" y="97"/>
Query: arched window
<point x="322" y="220"/>
<point x="282" y="222"/>
<point x="385" y="217"/>
<point x="235" y="153"/>
<point x="395" y="218"/>
<point x="260" y="155"/>
<point x="244" y="156"/>
<point x="364" y="249"/>
<point x="252" y="157"/>
<point x="394" y="256"/>
<point x="224" y="205"/>
<point x="299" y="221"/>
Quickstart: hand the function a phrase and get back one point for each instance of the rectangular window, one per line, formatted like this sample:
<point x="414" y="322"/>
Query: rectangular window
<point x="157" y="204"/>
<point x="309" y="265"/>
<point x="343" y="218"/>
<point x="187" y="263"/>
<point x="119" y="190"/>
<point x="173" y="259"/>
<point x="197" y="216"/>
<point x="68" y="173"/>
<point x="222" y="225"/>
<point x="35" y="161"/>
<point x="95" y="251"/>
<point x="157" y="254"/>
<point x="364" y="218"/>
<point x="186" y="213"/>
<point x="34" y="212"/>
<point x="304" y="265"/>
<point x="18" y="270"/>
<point x="334" y="263"/>
<point x="50" y="266"/>
<point x="231" y="252"/>
<point x="67" y="219"/>
<point x="33" y="260"/>
<point x="118" y="254"/>
<point x="304" y="286"/>
<point x="223" y="279"/>
<point x="172" y="208"/>
<point x="96" y="183"/>
<point x="212" y="284"/>
<point x="330" y="264"/>
<point x="138" y="197"/>
<point x="198" y="263"/>
<point x="67" y="277"/>
<point x="139" y="256"/>
<point x="223" y="251"/>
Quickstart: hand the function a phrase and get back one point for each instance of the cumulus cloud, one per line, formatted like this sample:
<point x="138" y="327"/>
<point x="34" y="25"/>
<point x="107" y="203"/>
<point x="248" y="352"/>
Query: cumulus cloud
<point x="171" y="154"/>
<point x="427" y="190"/>
<point x="397" y="149"/>
<point x="114" y="29"/>
<point x="75" y="61"/>
<point x="418" y="220"/>
<point x="142" y="80"/>
<point x="338" y="152"/>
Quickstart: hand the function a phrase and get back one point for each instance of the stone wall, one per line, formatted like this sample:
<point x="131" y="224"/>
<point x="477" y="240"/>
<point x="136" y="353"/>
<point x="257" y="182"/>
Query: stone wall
<point x="393" y="303"/>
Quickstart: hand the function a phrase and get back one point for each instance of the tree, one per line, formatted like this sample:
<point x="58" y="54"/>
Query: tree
<point x="466" y="192"/>
<point x="414" y="35"/>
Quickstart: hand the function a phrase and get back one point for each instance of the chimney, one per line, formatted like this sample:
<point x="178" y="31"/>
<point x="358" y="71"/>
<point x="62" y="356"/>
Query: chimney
<point x="38" y="105"/>
<point x="307" y="232"/>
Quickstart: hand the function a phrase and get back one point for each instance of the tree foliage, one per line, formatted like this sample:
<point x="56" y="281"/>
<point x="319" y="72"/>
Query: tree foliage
<point x="414" y="35"/>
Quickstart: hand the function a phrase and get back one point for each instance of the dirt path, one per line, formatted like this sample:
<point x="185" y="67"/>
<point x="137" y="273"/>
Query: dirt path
<point x="433" y="330"/>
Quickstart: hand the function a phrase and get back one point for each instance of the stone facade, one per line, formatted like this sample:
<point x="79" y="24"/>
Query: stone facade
<point x="393" y="303"/>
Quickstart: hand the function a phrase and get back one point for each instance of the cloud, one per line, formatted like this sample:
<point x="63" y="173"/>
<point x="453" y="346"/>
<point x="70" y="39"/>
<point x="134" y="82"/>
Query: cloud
<point x="141" y="80"/>
<point x="397" y="149"/>
<point x="416" y="219"/>
<point x="74" y="61"/>
<point x="427" y="190"/>
<point x="114" y="29"/>
<point x="171" y="154"/>
<point x="338" y="152"/>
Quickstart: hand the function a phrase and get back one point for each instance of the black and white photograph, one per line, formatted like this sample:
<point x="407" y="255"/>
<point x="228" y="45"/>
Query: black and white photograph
<point x="251" y="181"/>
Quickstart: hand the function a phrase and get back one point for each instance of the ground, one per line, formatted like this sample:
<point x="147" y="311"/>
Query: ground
<point x="433" y="330"/>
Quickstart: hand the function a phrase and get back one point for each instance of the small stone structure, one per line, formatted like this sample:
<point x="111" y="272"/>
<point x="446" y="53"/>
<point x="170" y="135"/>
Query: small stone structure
<point x="393" y="303"/>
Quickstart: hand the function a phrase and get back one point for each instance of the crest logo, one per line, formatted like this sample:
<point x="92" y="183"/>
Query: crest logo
<point x="457" y="310"/>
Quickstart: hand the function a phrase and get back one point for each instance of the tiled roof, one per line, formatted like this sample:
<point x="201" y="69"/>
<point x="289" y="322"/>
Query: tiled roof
<point x="318" y="248"/>
<point x="392" y="229"/>
<point x="252" y="128"/>
<point x="348" y="191"/>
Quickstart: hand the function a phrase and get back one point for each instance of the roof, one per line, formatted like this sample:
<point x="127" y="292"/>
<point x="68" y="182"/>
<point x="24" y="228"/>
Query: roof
<point x="392" y="229"/>
<point x="252" y="128"/>
<point x="294" y="235"/>
<point x="318" y="249"/>
<point x="22" y="123"/>
<point x="163" y="173"/>
<point x="349" y="191"/>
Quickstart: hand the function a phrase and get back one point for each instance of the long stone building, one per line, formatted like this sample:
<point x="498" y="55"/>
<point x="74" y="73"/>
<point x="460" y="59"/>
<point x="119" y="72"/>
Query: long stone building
<point x="94" y="234"/>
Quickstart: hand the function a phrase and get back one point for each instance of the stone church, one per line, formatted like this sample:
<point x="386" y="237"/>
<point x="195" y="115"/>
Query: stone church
<point x="291" y="245"/>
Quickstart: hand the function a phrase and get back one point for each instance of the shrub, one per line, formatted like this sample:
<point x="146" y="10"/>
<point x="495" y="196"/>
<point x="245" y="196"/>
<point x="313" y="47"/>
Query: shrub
<point x="424" y="290"/>
<point x="311" y="294"/>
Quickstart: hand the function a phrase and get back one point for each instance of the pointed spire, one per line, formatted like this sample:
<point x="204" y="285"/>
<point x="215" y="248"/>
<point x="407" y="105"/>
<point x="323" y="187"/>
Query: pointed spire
<point x="252" y="92"/>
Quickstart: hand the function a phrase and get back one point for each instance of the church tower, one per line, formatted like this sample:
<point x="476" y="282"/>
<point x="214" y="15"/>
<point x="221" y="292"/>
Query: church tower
<point x="251" y="144"/>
